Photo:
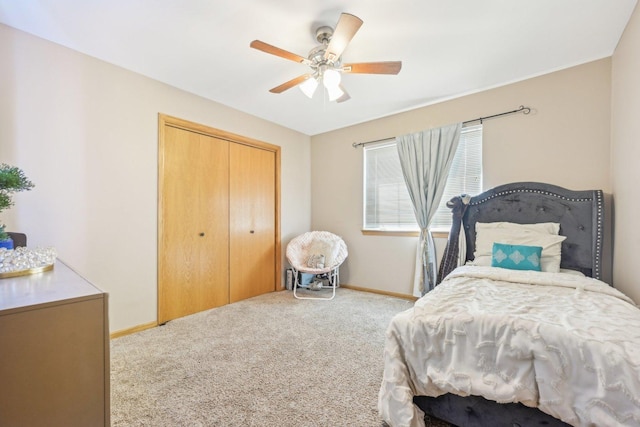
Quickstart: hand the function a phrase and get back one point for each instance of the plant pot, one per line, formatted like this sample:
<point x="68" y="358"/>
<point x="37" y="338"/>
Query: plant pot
<point x="7" y="243"/>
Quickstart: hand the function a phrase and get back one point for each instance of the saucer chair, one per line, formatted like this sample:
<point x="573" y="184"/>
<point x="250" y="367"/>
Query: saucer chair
<point x="317" y="253"/>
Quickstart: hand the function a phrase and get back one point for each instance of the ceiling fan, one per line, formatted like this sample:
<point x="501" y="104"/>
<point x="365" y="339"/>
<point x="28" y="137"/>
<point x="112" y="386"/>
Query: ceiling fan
<point x="325" y="60"/>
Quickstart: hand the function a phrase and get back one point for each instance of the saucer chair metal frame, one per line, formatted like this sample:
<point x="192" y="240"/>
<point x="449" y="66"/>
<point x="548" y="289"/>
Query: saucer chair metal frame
<point x="303" y="247"/>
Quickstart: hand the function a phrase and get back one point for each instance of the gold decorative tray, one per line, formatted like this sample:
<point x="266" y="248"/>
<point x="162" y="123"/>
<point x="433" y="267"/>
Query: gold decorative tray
<point x="26" y="272"/>
<point x="23" y="261"/>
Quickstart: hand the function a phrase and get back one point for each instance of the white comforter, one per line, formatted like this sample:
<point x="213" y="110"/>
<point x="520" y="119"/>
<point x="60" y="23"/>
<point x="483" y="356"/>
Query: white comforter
<point x="566" y="344"/>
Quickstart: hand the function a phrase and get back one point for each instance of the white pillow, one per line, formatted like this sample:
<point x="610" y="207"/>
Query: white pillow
<point x="551" y="245"/>
<point x="324" y="247"/>
<point x="541" y="227"/>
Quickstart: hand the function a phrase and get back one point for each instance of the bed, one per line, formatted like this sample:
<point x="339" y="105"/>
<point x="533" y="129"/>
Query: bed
<point x="496" y="346"/>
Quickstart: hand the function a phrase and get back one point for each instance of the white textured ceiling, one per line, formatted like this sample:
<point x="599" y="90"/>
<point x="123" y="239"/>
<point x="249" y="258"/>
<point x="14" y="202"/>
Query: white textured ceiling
<point x="448" y="47"/>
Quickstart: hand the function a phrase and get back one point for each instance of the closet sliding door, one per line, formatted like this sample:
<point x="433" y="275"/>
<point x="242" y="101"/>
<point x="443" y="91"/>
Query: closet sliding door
<point x="193" y="251"/>
<point x="218" y="218"/>
<point x="252" y="219"/>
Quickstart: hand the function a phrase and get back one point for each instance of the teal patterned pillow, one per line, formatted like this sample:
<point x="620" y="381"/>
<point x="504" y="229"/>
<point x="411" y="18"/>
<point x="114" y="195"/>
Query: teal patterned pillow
<point x="516" y="257"/>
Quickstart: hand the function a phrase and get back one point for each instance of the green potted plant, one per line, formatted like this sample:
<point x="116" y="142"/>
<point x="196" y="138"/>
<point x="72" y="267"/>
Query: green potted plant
<point x="12" y="180"/>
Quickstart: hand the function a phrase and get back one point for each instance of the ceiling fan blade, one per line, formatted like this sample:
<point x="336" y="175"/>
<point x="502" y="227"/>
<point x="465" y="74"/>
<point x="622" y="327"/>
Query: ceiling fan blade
<point x="389" y="67"/>
<point x="291" y="83"/>
<point x="346" y="28"/>
<point x="266" y="47"/>
<point x="345" y="96"/>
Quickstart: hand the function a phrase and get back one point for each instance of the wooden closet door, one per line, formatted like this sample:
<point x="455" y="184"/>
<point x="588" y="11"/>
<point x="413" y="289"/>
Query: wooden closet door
<point x="252" y="244"/>
<point x="194" y="234"/>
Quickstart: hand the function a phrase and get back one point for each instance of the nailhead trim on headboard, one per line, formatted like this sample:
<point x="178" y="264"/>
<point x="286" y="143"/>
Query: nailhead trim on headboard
<point x="599" y="228"/>
<point x="523" y="190"/>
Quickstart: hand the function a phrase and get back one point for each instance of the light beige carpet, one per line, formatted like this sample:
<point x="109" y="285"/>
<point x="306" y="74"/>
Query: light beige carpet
<point x="271" y="360"/>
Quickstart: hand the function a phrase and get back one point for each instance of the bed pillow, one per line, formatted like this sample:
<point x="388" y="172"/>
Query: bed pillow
<point x="541" y="227"/>
<point x="551" y="245"/>
<point x="516" y="257"/>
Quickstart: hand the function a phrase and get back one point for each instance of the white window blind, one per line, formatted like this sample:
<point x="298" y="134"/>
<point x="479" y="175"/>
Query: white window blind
<point x="387" y="205"/>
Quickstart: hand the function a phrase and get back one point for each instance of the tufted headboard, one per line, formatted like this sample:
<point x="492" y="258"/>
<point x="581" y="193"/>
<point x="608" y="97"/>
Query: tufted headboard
<point x="580" y="214"/>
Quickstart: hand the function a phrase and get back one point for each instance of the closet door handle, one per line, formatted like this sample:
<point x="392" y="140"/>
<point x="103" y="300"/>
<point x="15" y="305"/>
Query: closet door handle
<point x="201" y="234"/>
<point x="252" y="231"/>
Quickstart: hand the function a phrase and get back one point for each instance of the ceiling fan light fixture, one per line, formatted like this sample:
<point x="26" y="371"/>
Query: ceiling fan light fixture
<point x="334" y="92"/>
<point x="331" y="78"/>
<point x="309" y="86"/>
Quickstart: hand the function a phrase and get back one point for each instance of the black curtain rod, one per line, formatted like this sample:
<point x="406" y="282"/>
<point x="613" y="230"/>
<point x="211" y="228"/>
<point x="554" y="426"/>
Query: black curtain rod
<point x="522" y="109"/>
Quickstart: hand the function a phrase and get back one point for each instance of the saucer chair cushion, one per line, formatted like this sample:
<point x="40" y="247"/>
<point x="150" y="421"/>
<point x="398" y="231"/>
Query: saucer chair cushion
<point x="305" y="252"/>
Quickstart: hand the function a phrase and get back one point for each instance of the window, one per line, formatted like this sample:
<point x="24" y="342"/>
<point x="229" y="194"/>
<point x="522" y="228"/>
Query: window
<point x="387" y="205"/>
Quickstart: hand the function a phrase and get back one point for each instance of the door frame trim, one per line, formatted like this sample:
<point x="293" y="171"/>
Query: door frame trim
<point x="167" y="120"/>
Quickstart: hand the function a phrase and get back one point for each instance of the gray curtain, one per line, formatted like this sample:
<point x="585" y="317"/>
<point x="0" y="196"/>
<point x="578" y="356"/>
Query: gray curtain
<point x="426" y="158"/>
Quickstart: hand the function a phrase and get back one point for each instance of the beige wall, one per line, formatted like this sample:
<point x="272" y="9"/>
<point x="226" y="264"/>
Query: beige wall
<point x="85" y="132"/>
<point x="625" y="156"/>
<point x="564" y="141"/>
